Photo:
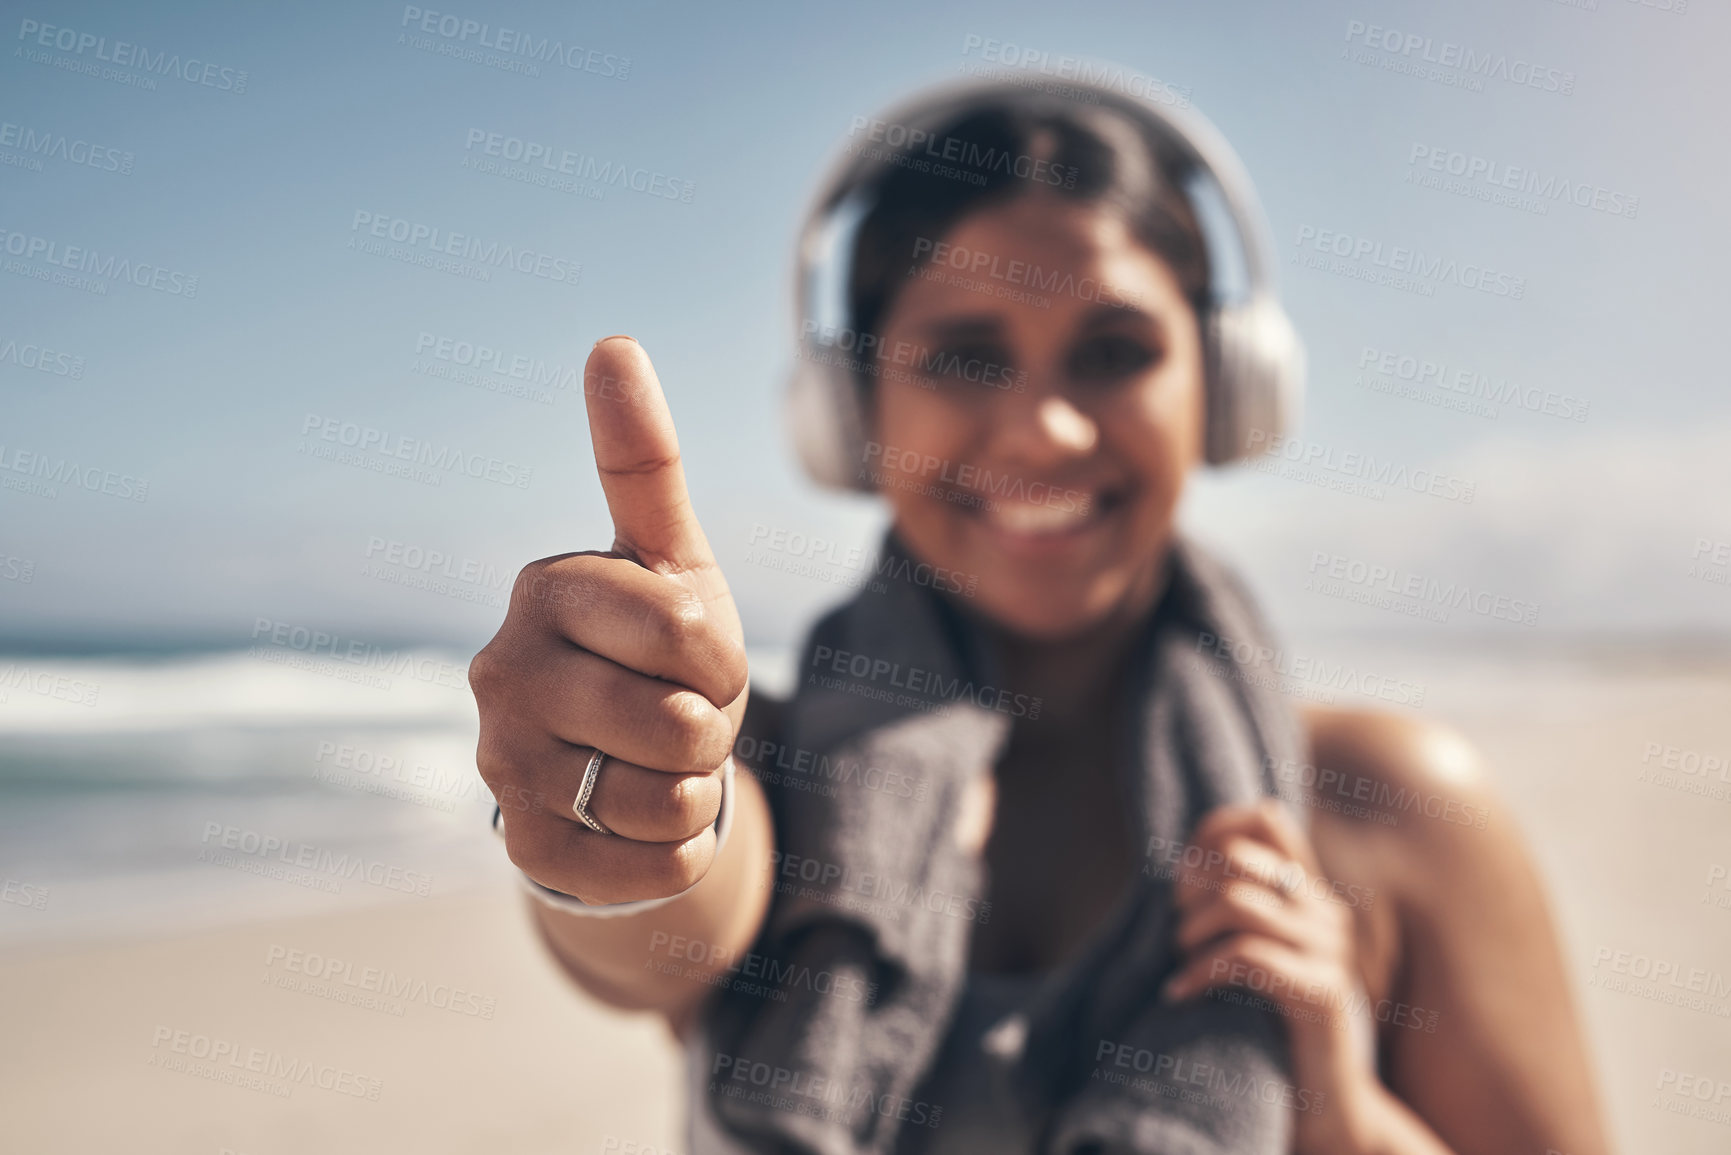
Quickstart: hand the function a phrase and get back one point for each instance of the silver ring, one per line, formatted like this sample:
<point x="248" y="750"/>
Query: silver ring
<point x="1288" y="883"/>
<point x="590" y="773"/>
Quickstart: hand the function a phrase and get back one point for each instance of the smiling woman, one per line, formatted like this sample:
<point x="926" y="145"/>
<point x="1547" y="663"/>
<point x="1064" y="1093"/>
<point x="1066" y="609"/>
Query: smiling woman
<point x="1110" y="919"/>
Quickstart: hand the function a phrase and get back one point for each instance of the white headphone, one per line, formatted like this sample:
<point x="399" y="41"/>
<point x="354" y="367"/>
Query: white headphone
<point x="1255" y="362"/>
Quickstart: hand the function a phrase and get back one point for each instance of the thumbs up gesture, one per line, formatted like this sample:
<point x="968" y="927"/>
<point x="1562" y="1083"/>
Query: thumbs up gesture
<point x="636" y="651"/>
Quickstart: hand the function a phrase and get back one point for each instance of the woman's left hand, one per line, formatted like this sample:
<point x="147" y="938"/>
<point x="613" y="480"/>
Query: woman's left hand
<point x="1256" y="914"/>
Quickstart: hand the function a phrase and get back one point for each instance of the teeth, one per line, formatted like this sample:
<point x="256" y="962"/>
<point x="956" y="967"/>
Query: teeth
<point x="1024" y="517"/>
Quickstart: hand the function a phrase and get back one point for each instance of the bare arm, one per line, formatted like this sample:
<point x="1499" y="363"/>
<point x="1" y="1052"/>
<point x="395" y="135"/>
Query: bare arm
<point x="1506" y="1071"/>
<point x="1481" y="1053"/>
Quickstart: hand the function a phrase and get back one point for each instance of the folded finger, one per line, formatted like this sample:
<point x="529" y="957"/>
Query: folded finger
<point x="630" y="800"/>
<point x="588" y="700"/>
<point x="602" y="868"/>
<point x="642" y="620"/>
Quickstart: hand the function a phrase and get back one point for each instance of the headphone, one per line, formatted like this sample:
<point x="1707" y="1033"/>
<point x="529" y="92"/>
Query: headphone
<point x="1254" y="361"/>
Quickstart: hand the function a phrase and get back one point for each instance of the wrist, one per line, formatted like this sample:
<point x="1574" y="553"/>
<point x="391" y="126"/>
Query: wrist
<point x="1357" y="1119"/>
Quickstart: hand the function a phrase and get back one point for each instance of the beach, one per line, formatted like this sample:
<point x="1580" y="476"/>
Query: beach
<point x="487" y="1049"/>
<point x="385" y="1020"/>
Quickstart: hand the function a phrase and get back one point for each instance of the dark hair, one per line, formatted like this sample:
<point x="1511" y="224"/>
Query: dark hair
<point x="1012" y="142"/>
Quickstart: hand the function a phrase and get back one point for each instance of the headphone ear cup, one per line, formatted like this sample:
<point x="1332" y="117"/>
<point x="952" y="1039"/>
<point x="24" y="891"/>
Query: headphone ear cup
<point x="821" y="411"/>
<point x="1255" y="379"/>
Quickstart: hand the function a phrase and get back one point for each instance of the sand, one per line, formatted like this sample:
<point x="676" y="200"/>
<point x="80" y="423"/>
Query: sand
<point x="525" y="1063"/>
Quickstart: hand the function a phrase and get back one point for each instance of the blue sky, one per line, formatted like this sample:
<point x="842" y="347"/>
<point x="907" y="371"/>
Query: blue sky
<point x="209" y="398"/>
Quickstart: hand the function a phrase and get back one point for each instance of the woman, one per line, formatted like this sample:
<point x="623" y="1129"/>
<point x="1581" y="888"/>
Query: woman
<point x="1033" y="859"/>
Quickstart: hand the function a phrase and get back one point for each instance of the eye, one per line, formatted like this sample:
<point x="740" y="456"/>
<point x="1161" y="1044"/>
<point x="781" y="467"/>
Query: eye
<point x="1111" y="357"/>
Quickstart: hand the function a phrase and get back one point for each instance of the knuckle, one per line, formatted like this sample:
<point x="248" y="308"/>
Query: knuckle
<point x="676" y="627"/>
<point x="686" y="806"/>
<point x="527" y="853"/>
<point x="495" y="766"/>
<point x="685" y="863"/>
<point x="525" y="590"/>
<point x="484" y="672"/>
<point x="697" y="733"/>
<point x="735" y="669"/>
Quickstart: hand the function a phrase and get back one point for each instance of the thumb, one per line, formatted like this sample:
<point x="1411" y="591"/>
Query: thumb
<point x="637" y="458"/>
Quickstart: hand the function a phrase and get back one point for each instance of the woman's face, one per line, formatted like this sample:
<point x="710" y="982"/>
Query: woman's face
<point x="1038" y="441"/>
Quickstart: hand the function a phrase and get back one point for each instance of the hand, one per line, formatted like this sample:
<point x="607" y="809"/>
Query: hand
<point x="637" y="650"/>
<point x="1256" y="913"/>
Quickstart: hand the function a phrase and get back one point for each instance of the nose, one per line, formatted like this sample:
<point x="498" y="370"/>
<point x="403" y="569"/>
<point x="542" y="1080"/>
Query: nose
<point x="1041" y="431"/>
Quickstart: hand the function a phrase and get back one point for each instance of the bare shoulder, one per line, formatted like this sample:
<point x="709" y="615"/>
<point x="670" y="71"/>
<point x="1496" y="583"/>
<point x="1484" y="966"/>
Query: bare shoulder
<point x="1411" y="800"/>
<point x="1396" y="751"/>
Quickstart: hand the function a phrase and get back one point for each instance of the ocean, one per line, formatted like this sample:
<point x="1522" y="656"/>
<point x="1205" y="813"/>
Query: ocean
<point x="157" y="796"/>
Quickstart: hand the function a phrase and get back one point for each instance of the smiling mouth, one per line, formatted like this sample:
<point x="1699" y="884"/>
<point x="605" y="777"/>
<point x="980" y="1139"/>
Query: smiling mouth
<point x="1079" y="511"/>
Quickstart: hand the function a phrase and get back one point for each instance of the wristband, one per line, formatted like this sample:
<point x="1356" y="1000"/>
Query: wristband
<point x="570" y="904"/>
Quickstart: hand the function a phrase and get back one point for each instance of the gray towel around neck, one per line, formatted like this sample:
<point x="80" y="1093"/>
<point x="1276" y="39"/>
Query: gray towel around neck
<point x="874" y="893"/>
